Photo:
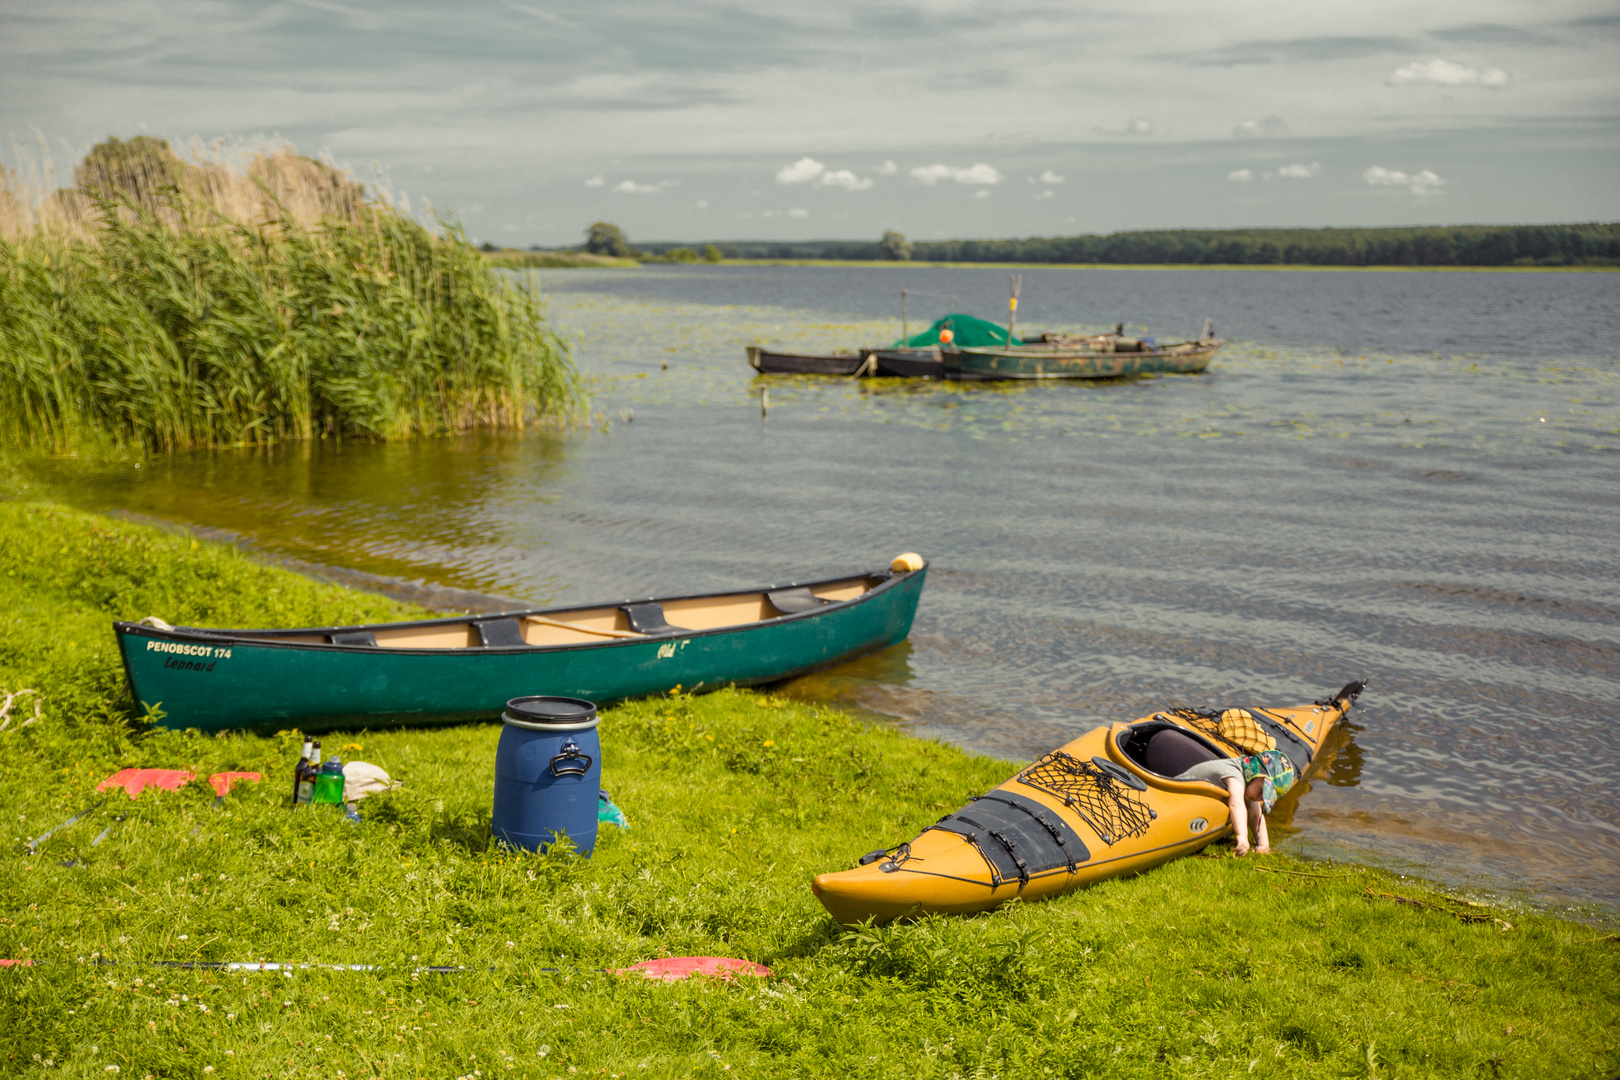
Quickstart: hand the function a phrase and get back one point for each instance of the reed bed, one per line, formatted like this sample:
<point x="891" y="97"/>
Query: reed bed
<point x="167" y="304"/>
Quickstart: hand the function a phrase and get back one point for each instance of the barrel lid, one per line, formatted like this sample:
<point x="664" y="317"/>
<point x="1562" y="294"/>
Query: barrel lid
<point x="550" y="713"/>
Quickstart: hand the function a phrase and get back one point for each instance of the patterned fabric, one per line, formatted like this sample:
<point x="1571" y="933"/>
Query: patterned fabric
<point x="1277" y="772"/>
<point x="1238" y="727"/>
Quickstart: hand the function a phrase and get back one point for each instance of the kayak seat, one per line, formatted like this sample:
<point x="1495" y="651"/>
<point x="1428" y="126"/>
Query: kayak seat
<point x="352" y="637"/>
<point x="1164" y="749"/>
<point x="793" y="601"/>
<point x="648" y="619"/>
<point x="499" y="632"/>
<point x="1171" y="753"/>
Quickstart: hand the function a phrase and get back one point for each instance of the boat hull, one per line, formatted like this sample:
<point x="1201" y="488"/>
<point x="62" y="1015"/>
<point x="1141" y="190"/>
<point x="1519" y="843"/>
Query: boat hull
<point x="775" y="363"/>
<point x="1061" y="363"/>
<point x="907" y="363"/>
<point x="1130" y="821"/>
<point x="220" y="680"/>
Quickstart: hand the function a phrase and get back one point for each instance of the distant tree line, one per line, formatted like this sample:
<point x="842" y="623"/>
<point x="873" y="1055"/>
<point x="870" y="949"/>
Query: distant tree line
<point x="1458" y="245"/>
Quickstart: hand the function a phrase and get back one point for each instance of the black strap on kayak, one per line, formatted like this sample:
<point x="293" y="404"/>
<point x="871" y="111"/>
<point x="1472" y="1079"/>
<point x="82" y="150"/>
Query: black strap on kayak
<point x="1105" y="796"/>
<point x="1016" y="836"/>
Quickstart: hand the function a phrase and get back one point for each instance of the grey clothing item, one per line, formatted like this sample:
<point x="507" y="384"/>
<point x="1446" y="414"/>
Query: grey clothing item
<point x="1214" y="772"/>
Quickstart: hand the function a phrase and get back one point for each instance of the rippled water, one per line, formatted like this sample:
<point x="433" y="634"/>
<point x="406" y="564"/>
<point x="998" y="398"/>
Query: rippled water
<point x="1409" y="476"/>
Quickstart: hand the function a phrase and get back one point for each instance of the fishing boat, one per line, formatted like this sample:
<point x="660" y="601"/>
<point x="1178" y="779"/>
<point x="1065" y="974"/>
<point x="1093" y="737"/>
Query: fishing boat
<point x="435" y="671"/>
<point x="767" y="362"/>
<point x="1102" y="806"/>
<point x="1109" y="360"/>
<point x="905" y="363"/>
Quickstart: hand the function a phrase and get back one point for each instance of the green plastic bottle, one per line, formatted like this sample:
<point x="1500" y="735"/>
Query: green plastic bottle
<point x="329" y="783"/>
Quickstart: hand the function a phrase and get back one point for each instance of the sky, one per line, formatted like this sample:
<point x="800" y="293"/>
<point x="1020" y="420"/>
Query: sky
<point x="712" y="119"/>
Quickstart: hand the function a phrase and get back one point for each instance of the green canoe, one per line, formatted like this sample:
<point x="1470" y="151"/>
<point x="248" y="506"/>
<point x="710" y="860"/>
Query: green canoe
<point x="437" y="671"/>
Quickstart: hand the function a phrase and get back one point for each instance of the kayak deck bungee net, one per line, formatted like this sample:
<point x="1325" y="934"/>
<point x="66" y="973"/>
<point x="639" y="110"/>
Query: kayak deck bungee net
<point x="1104" y="805"/>
<point x="433" y="671"/>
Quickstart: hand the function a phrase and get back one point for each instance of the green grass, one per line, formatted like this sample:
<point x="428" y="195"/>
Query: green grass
<point x="1210" y="966"/>
<point x="159" y="335"/>
<point x="518" y="259"/>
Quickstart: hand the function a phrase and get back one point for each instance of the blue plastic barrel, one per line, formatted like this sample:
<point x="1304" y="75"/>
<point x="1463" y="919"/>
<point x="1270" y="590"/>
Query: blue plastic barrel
<point x="548" y="771"/>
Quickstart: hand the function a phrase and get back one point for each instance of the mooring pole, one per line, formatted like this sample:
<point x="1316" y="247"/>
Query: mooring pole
<point x="905" y="325"/>
<point x="1016" y="282"/>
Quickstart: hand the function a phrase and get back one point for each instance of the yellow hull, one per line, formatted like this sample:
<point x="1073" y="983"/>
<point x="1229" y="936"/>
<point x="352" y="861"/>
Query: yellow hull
<point x="1088" y="811"/>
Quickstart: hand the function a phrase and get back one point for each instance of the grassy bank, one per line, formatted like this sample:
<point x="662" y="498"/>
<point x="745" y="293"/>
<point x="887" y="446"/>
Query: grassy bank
<point x="1211" y="966"/>
<point x="518" y="259"/>
<point x="156" y="306"/>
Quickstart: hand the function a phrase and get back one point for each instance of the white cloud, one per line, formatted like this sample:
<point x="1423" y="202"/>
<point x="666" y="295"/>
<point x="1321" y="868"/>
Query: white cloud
<point x="979" y="173"/>
<point x="1445" y="73"/>
<point x="703" y="204"/>
<point x="888" y="168"/>
<point x="1050" y="177"/>
<point x="798" y="213"/>
<point x="1299" y="172"/>
<point x="981" y="194"/>
<point x="1139" y="125"/>
<point x="595" y="181"/>
<point x="1270" y="127"/>
<point x="630" y="187"/>
<point x="1240" y="176"/>
<point x="1419" y="183"/>
<point x="802" y="171"/>
<point x="1044" y="195"/>
<point x="843" y="178"/>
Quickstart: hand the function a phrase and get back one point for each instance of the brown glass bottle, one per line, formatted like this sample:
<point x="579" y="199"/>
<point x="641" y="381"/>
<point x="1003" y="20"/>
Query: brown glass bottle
<point x="304" y="776"/>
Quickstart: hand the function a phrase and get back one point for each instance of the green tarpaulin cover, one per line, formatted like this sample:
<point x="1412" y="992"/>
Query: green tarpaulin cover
<point x="970" y="333"/>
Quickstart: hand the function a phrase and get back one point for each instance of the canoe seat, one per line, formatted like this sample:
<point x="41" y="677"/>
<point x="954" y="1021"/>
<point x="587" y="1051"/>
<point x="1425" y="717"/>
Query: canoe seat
<point x="793" y="601"/>
<point x="493" y="632"/>
<point x="352" y="637"/>
<point x="648" y="619"/>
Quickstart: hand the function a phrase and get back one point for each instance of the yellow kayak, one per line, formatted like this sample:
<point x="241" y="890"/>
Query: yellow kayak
<point x="1101" y="806"/>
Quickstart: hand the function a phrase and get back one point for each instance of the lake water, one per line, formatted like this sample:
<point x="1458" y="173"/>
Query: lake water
<point x="1413" y="477"/>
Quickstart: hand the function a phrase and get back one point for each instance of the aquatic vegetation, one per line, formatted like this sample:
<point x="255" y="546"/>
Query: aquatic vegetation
<point x="146" y="313"/>
<point x="1209" y="966"/>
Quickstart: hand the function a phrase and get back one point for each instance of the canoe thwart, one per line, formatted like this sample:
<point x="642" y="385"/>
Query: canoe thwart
<point x="793" y="601"/>
<point x="541" y="620"/>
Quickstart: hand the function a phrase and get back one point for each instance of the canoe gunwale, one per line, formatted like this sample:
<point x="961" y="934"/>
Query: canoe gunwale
<point x="891" y="579"/>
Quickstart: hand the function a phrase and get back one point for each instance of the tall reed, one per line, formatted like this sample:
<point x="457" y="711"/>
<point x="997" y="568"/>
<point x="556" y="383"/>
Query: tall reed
<point x="193" y="315"/>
